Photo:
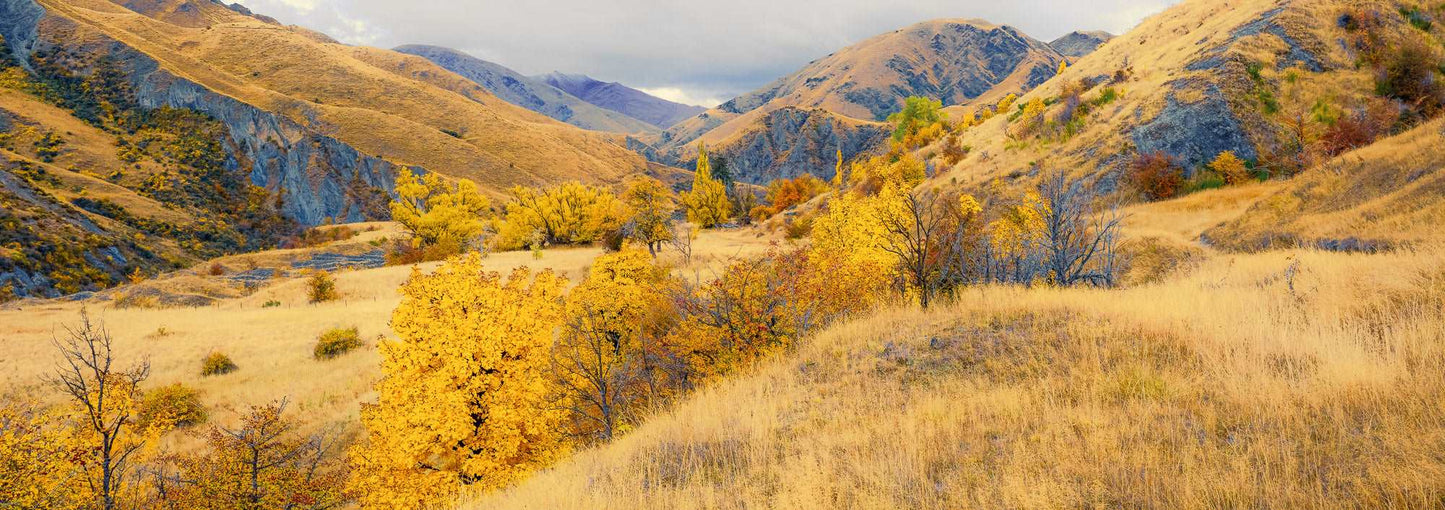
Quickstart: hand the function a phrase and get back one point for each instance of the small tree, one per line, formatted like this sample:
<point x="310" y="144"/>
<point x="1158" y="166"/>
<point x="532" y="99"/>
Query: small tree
<point x="599" y="360"/>
<point x="707" y="202"/>
<point x="650" y="204"/>
<point x="1156" y="176"/>
<point x="321" y="287"/>
<point x="913" y="231"/>
<point x="103" y="398"/>
<point x="264" y="463"/>
<point x="1230" y="167"/>
<point x="1080" y="246"/>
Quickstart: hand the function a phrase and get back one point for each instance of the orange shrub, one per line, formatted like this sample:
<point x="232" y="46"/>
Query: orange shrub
<point x="1155" y="175"/>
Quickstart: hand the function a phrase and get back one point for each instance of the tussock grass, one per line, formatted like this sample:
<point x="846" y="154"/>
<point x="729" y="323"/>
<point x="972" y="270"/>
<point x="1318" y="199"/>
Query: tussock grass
<point x="1290" y="379"/>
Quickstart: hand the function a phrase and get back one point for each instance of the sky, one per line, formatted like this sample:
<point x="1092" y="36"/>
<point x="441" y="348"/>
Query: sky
<point x="688" y="51"/>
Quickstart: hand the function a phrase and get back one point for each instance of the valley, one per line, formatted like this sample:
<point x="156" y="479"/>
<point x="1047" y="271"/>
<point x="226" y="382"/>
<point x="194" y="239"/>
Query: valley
<point x="244" y="264"/>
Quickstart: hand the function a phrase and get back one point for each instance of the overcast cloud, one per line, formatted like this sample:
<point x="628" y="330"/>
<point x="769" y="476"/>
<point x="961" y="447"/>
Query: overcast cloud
<point x="697" y="52"/>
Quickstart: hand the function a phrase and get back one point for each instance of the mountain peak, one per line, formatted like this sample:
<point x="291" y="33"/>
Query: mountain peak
<point x="622" y="99"/>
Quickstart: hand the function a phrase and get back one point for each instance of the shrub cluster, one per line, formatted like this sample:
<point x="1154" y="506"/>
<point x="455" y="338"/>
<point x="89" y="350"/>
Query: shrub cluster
<point x="335" y="342"/>
<point x="217" y="364"/>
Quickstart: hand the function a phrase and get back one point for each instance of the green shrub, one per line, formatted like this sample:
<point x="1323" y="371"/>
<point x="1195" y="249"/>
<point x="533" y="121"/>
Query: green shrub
<point x="172" y="406"/>
<point x="271" y="304"/>
<point x="217" y="364"/>
<point x="336" y="342"/>
<point x="321" y="287"/>
<point x="1203" y="181"/>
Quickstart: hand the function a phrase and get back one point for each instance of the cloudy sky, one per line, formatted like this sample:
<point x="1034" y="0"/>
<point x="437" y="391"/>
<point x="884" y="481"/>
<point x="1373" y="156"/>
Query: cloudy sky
<point x="695" y="52"/>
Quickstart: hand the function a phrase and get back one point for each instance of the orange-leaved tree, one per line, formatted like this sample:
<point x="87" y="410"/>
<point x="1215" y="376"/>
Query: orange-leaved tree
<point x="465" y="394"/>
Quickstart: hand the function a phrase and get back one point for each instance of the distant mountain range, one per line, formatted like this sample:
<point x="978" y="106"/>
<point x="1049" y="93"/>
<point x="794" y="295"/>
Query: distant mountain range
<point x="850" y="91"/>
<point x="621" y="98"/>
<point x="530" y="93"/>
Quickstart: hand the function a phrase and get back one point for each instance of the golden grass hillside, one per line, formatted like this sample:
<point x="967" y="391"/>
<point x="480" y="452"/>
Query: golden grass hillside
<point x="381" y="102"/>
<point x="1295" y="379"/>
<point x="272" y="345"/>
<point x="1386" y="194"/>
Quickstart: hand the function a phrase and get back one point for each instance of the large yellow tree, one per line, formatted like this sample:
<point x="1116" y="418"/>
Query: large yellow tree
<point x="603" y="360"/>
<point x="707" y="203"/>
<point x="465" y="393"/>
<point x="650" y="205"/>
<point x="437" y="213"/>
<point x="568" y="213"/>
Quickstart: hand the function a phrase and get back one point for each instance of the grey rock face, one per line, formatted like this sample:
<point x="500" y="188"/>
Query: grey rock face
<point x="1194" y="133"/>
<point x="794" y="141"/>
<point x="1077" y="44"/>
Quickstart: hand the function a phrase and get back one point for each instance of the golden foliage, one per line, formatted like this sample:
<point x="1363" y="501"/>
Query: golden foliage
<point x="263" y="463"/>
<point x="37" y="468"/>
<point x="438" y="213"/>
<point x="707" y="203"/>
<point x="321" y="287"/>
<point x="1230" y="167"/>
<point x="465" y="395"/>
<point x="569" y="213"/>
<point x="650" y="204"/>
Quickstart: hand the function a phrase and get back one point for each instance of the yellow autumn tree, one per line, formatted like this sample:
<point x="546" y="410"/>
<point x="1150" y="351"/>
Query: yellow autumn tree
<point x="439" y="214"/>
<point x="707" y="203"/>
<point x="464" y="397"/>
<point x="262" y="463"/>
<point x="1032" y="116"/>
<point x="650" y="205"/>
<point x="1020" y="228"/>
<point x="604" y="358"/>
<point x="1230" y="168"/>
<point x="838" y="181"/>
<point x="568" y="213"/>
<point x="37" y="457"/>
<point x="1063" y="64"/>
<point x="1006" y="102"/>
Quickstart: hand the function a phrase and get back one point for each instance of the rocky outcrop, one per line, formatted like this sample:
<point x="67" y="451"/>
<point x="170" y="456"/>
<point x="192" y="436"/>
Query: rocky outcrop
<point x="319" y="177"/>
<point x="1194" y="133"/>
<point x="532" y="94"/>
<point x="623" y="99"/>
<point x="790" y="142"/>
<point x="1079" y="43"/>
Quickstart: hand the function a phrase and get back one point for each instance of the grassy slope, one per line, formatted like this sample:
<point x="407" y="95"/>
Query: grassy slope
<point x="272" y="345"/>
<point x="1289" y="378"/>
<point x="379" y="101"/>
<point x="1386" y="193"/>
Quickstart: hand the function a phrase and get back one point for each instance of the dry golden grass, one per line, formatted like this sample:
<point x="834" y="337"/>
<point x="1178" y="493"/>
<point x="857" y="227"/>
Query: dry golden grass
<point x="1288" y="379"/>
<point x="273" y="345"/>
<point x="1386" y="192"/>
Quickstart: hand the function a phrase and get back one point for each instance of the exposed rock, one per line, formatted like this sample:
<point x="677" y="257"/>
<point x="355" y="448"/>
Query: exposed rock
<point x="1194" y="133"/>
<point x="328" y="261"/>
<point x="790" y="142"/>
<point x="315" y="173"/>
<point x="1079" y="43"/>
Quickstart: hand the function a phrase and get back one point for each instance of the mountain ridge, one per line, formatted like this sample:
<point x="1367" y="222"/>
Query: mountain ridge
<point x="620" y="98"/>
<point x="528" y="92"/>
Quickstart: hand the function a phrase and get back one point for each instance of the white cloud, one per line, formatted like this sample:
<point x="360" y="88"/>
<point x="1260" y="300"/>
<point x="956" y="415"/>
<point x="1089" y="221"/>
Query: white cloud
<point x="678" y="95"/>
